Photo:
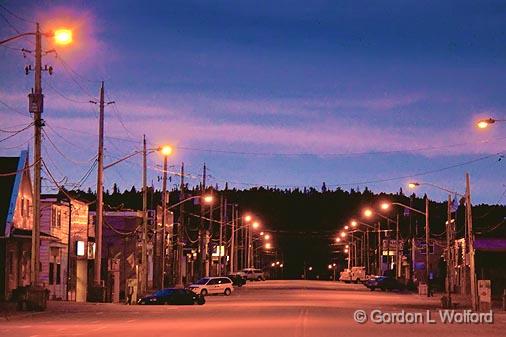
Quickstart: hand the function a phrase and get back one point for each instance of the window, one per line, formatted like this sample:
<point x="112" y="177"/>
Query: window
<point x="58" y="219"/>
<point x="51" y="273"/>
<point x="58" y="273"/>
<point x="53" y="217"/>
<point x="212" y="282"/>
<point x="11" y="262"/>
<point x="22" y="206"/>
<point x="225" y="280"/>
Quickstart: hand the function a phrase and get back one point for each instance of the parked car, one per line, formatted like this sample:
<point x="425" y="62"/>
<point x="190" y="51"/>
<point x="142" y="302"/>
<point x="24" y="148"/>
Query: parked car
<point x="213" y="285"/>
<point x="173" y="296"/>
<point x="252" y="274"/>
<point x="237" y="280"/>
<point x="384" y="283"/>
<point x="355" y="274"/>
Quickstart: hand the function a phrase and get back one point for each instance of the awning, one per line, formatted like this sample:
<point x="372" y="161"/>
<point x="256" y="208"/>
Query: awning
<point x="20" y="233"/>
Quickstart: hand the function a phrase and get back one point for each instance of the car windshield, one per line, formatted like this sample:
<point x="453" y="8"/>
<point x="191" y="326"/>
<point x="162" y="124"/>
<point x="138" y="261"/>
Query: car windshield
<point x="202" y="281"/>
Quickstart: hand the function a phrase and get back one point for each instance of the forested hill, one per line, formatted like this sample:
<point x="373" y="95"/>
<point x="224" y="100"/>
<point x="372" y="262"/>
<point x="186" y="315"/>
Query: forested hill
<point x="305" y="222"/>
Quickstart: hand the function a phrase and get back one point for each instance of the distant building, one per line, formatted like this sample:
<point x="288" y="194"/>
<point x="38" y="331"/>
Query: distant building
<point x="65" y="278"/>
<point x="490" y="254"/>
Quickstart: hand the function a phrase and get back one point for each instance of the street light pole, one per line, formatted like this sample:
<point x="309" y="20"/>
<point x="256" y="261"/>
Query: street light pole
<point x="144" y="274"/>
<point x="100" y="187"/>
<point x="38" y="123"/>
<point x="164" y="217"/>
<point x="470" y="240"/>
<point x="427" y="239"/>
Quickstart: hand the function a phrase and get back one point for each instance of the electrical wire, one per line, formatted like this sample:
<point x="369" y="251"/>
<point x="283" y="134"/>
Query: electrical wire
<point x="13" y="109"/>
<point x="7" y="174"/>
<point x="17" y="132"/>
<point x="62" y="154"/>
<point x="15" y="15"/>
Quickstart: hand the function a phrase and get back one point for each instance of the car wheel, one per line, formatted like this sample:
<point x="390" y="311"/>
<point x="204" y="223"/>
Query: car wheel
<point x="357" y="281"/>
<point x="227" y="292"/>
<point x="383" y="289"/>
<point x="203" y="292"/>
<point x="201" y="300"/>
<point x="259" y="278"/>
<point x="372" y="288"/>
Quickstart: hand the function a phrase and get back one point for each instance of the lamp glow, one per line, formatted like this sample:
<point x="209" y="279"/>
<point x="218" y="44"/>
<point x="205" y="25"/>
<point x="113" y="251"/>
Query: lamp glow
<point x="63" y="36"/>
<point x="166" y="150"/>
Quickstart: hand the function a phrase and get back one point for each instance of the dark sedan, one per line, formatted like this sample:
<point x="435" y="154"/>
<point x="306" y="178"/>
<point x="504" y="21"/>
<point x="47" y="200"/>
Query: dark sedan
<point x="383" y="283"/>
<point x="174" y="296"/>
<point x="237" y="280"/>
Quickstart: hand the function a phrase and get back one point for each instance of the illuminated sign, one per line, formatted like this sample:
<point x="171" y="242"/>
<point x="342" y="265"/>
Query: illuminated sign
<point x="80" y="251"/>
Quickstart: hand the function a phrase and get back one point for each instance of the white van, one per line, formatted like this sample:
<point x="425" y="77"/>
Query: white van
<point x="212" y="285"/>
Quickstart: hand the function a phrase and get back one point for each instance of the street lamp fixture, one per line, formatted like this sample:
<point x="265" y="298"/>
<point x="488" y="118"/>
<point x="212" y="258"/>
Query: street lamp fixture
<point x="484" y="123"/>
<point x="330" y="266"/>
<point x="247" y="218"/>
<point x="310" y="268"/>
<point x="346" y="227"/>
<point x="281" y="265"/>
<point x="63" y="36"/>
<point x="277" y="262"/>
<point x="208" y="199"/>
<point x="262" y="233"/>
<point x="368" y="212"/>
<point x="255" y="225"/>
<point x="273" y="264"/>
<point x="346" y="251"/>
<point x="385" y="205"/>
<point x="413" y="184"/>
<point x="354" y="223"/>
<point x="338" y="239"/>
<point x="343" y="234"/>
<point x="268" y="245"/>
<point x="166" y="150"/>
<point x="267" y="237"/>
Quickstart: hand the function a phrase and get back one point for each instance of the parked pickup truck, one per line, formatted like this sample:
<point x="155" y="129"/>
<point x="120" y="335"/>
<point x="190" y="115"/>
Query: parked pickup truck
<point x="355" y="274"/>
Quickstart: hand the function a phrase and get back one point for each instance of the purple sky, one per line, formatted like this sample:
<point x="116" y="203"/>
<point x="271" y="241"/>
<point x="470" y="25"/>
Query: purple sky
<point x="351" y="93"/>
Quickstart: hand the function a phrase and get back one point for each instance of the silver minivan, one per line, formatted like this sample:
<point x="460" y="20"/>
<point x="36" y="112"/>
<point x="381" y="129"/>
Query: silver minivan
<point x="212" y="285"/>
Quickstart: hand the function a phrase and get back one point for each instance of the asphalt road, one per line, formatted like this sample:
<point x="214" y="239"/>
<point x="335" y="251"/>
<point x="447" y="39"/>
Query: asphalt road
<point x="271" y="308"/>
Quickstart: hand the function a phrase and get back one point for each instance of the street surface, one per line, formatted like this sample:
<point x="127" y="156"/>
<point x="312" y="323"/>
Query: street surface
<point x="271" y="308"/>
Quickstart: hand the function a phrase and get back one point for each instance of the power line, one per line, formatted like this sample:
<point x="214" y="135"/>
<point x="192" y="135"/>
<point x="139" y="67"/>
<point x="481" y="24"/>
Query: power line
<point x="13" y="109"/>
<point x="8" y="174"/>
<point x="16" y="132"/>
<point x="62" y="154"/>
<point x="15" y="15"/>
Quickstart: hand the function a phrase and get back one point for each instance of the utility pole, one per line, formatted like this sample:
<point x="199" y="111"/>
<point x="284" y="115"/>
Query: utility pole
<point x="180" y="232"/>
<point x="165" y="200"/>
<point x="100" y="190"/>
<point x="379" y="248"/>
<point x="397" y="257"/>
<point x="427" y="242"/>
<point x="223" y="208"/>
<point x="448" y="251"/>
<point x="232" y="242"/>
<point x="202" y="258"/>
<point x="36" y="106"/>
<point x="144" y="274"/>
<point x="470" y="238"/>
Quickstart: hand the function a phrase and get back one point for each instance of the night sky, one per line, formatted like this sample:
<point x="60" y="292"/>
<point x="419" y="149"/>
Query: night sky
<point x="277" y="93"/>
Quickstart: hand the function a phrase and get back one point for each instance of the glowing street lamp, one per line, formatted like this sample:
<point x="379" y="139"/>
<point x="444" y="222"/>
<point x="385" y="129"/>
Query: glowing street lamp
<point x="343" y="234"/>
<point x="310" y="268"/>
<point x="267" y="237"/>
<point x="247" y="218"/>
<point x="346" y="227"/>
<point x="255" y="225"/>
<point x="485" y="123"/>
<point x="338" y="239"/>
<point x="413" y="185"/>
<point x="273" y="264"/>
<point x="354" y="223"/>
<point x="166" y="150"/>
<point x="368" y="212"/>
<point x="262" y="233"/>
<point x="277" y="262"/>
<point x="268" y="245"/>
<point x="63" y="36"/>
<point x="281" y="265"/>
<point x="346" y="251"/>
<point x="385" y="205"/>
<point x="208" y="199"/>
